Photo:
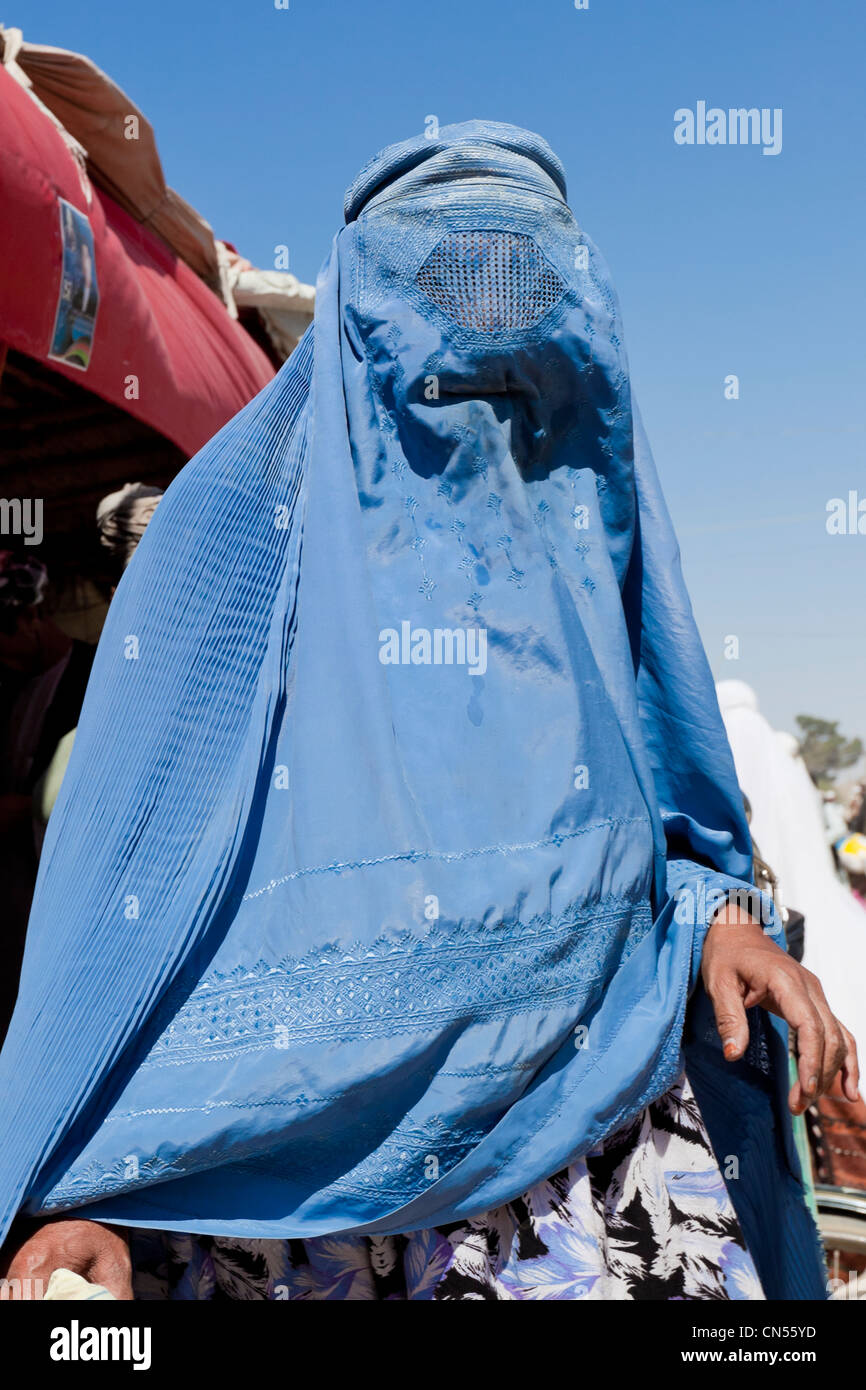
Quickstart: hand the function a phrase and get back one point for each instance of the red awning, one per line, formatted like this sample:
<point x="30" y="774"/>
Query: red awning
<point x="164" y="348"/>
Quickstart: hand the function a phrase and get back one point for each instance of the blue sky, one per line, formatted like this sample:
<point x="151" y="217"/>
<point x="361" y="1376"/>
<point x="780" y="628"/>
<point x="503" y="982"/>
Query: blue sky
<point x="726" y="260"/>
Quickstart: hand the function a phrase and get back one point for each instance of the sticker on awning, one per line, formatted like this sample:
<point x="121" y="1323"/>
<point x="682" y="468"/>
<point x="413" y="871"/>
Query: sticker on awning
<point x="78" y="300"/>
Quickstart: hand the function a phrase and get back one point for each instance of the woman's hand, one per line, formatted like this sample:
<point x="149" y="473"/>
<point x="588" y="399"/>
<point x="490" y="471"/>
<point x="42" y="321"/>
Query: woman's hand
<point x="98" y="1253"/>
<point x="742" y="967"/>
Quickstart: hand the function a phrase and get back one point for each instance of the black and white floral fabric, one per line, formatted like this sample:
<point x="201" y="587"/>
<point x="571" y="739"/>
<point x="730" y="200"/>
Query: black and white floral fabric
<point x="644" y="1216"/>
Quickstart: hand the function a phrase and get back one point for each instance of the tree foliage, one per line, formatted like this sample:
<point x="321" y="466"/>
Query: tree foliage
<point x="824" y="750"/>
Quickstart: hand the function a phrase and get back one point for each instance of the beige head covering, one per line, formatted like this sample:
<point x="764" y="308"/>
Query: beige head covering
<point x="122" y="518"/>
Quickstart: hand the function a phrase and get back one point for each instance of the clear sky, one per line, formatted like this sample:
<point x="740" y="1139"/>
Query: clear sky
<point x="726" y="260"/>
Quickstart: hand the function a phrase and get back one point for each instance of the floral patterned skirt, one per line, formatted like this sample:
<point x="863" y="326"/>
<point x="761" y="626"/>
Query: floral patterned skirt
<point x="646" y="1215"/>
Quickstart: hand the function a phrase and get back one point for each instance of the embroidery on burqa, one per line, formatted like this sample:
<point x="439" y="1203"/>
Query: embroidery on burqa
<point x="336" y="991"/>
<point x="645" y="1215"/>
<point x="333" y="992"/>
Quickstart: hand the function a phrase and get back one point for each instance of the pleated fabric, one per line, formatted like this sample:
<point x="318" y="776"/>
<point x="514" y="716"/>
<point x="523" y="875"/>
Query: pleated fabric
<point x="376" y="888"/>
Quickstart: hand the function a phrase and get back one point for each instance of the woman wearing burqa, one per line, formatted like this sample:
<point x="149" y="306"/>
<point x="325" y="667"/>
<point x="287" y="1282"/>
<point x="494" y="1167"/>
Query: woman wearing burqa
<point x="400" y="825"/>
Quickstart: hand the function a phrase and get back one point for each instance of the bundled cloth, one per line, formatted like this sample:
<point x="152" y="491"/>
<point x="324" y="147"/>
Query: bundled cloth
<point x="122" y="518"/>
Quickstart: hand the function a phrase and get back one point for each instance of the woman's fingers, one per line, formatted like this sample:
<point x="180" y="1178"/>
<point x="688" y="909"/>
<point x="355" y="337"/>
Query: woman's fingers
<point x="850" y="1067"/>
<point x="726" y="994"/>
<point x="792" y="1001"/>
<point x="835" y="1046"/>
<point x="97" y="1252"/>
<point x="113" y="1270"/>
<point x="810" y="1057"/>
<point x="744" y="970"/>
<point x="824" y="1045"/>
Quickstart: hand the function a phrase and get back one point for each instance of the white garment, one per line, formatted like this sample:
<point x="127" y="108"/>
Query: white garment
<point x="64" y="1286"/>
<point x="788" y="827"/>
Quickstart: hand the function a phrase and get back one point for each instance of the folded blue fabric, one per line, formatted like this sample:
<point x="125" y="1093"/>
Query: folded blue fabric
<point x="355" y="910"/>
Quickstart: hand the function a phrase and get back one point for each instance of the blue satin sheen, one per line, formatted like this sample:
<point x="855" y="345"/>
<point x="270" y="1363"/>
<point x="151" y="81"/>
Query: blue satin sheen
<point x="314" y="932"/>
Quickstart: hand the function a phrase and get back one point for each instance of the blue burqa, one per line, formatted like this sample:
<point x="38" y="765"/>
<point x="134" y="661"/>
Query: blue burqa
<point x="377" y="886"/>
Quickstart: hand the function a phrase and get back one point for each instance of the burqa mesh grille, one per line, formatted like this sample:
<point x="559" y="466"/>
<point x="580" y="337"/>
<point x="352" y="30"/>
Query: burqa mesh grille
<point x="490" y="281"/>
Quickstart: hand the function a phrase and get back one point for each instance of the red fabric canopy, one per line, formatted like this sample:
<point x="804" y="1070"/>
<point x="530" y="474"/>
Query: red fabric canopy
<point x="156" y="321"/>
